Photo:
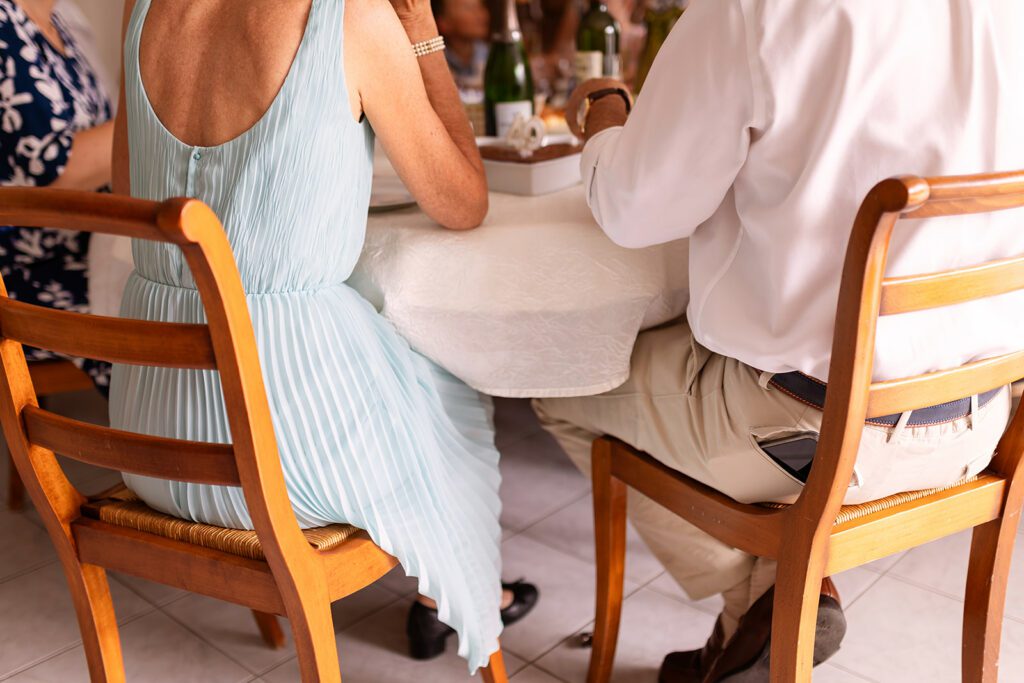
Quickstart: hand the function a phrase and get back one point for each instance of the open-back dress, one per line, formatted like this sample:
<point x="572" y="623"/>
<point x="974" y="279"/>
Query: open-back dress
<point x="370" y="433"/>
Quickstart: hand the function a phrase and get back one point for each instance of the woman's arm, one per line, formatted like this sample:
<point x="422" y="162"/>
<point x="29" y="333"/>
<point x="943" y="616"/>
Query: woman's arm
<point x="41" y="148"/>
<point x="414" y="108"/>
<point x="88" y="166"/>
<point x="121" y="167"/>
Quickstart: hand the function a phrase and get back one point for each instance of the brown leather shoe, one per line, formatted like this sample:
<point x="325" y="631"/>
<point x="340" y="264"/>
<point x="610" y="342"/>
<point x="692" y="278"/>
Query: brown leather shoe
<point x="692" y="666"/>
<point x="745" y="657"/>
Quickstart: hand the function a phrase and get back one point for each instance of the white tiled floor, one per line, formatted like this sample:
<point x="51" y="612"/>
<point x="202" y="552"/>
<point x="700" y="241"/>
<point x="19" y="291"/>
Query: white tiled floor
<point x="904" y="612"/>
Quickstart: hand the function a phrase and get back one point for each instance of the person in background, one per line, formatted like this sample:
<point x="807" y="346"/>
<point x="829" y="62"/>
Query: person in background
<point x="465" y="26"/>
<point x="762" y="126"/>
<point x="55" y="131"/>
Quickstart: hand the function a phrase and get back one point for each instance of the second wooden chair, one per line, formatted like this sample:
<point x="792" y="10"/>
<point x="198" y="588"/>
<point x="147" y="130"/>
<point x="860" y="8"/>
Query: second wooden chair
<point x="818" y="536"/>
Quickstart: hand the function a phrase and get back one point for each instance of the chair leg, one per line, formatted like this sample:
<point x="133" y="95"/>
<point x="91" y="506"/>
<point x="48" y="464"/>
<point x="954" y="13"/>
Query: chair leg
<point x="495" y="671"/>
<point x="313" y="631"/>
<point x="15" y="488"/>
<point x="987" y="573"/>
<point x="90" y="593"/>
<point x="610" y="546"/>
<point x="795" y="617"/>
<point x="270" y="629"/>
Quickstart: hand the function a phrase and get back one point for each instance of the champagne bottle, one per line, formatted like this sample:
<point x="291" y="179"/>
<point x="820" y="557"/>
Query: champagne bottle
<point x="598" y="43"/>
<point x="508" y="83"/>
<point x="660" y="17"/>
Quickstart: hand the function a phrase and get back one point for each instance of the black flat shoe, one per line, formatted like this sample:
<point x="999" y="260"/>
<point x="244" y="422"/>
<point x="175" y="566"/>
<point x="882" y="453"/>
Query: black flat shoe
<point x="428" y="635"/>
<point x="524" y="598"/>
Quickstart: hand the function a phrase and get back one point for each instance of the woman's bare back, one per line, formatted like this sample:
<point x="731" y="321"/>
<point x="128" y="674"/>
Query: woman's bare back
<point x="212" y="68"/>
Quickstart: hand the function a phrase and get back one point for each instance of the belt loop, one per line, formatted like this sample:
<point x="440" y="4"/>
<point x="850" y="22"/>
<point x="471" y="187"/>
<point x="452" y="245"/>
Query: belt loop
<point x="764" y="378"/>
<point x="974" y="411"/>
<point x="901" y="424"/>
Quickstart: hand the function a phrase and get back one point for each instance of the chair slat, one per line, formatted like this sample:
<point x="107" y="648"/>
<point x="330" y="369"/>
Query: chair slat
<point x="192" y="461"/>
<point x="935" y="290"/>
<point x="915" y="523"/>
<point x="116" y="340"/>
<point x="83" y="211"/>
<point x="961" y="207"/>
<point x="958" y="195"/>
<point x="911" y="393"/>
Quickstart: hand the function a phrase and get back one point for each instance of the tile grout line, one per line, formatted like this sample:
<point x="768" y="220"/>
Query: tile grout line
<point x="28" y="570"/>
<point x="372" y="613"/>
<point x="874" y="582"/>
<point x="541" y="668"/>
<point x="551" y="514"/>
<point x="203" y="640"/>
<point x="576" y="631"/>
<point x="78" y="642"/>
<point x="926" y="588"/>
<point x="851" y="672"/>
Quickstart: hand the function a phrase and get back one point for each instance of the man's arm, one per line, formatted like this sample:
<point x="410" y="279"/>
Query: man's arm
<point x="660" y="174"/>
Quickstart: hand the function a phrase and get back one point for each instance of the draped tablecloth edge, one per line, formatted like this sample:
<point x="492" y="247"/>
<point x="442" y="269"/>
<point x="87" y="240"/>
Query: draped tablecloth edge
<point x="567" y="392"/>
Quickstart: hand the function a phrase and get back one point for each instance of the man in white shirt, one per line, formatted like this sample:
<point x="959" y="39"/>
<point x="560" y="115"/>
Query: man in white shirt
<point x="760" y="129"/>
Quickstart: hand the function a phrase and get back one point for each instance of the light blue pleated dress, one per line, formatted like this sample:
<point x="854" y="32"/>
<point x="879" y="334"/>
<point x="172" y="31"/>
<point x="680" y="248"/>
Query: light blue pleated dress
<point x="370" y="432"/>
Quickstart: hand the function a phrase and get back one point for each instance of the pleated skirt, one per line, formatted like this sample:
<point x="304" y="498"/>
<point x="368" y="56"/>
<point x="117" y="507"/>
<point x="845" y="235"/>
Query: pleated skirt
<point x="370" y="433"/>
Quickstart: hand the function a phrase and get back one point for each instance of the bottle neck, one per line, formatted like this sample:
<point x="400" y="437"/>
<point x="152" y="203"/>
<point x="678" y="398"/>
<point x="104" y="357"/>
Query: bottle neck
<point x="508" y="29"/>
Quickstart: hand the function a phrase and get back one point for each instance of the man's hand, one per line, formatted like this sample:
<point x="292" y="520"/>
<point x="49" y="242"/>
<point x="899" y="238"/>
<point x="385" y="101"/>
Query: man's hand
<point x="587" y="120"/>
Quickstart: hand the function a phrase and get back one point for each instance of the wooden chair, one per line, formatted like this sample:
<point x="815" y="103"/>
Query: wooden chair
<point x="276" y="569"/>
<point x="817" y="536"/>
<point x="48" y="377"/>
<point x="54" y="377"/>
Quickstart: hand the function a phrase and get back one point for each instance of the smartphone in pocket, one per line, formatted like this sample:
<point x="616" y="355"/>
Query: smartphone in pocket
<point x="793" y="453"/>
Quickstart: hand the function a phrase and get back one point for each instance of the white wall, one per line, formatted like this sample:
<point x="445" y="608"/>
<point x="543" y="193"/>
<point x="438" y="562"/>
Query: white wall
<point x="104" y="17"/>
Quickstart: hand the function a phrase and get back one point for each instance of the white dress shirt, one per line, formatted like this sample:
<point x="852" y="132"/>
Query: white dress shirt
<point x="762" y="126"/>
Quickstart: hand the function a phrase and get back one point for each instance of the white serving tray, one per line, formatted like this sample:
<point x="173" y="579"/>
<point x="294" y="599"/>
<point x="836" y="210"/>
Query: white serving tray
<point x="542" y="177"/>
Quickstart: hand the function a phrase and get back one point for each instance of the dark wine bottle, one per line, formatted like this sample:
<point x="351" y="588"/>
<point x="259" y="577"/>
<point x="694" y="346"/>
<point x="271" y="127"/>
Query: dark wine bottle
<point x="598" y="44"/>
<point x="660" y="17"/>
<point x="508" y="83"/>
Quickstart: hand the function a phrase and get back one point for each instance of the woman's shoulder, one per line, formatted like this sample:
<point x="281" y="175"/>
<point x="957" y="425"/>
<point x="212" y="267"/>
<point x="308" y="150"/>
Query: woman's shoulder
<point x="359" y="11"/>
<point x="373" y="28"/>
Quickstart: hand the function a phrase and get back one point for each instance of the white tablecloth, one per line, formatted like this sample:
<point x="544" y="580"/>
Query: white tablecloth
<point x="536" y="302"/>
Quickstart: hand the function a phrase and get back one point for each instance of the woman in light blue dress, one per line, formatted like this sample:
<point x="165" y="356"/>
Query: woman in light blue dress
<point x="370" y="432"/>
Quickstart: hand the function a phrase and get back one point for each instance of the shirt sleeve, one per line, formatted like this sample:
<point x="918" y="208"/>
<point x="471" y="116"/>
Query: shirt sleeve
<point x="666" y="171"/>
<point x="35" y="132"/>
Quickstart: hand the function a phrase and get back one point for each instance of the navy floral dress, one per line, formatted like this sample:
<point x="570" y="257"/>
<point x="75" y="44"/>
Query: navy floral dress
<point x="45" y="98"/>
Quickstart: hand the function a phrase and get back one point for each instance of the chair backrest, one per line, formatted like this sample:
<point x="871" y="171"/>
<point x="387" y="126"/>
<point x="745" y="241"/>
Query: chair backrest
<point x="226" y="344"/>
<point x="866" y="294"/>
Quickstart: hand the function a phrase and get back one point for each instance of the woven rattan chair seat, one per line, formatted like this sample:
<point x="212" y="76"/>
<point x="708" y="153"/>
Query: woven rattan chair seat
<point x="849" y="513"/>
<point x="122" y="508"/>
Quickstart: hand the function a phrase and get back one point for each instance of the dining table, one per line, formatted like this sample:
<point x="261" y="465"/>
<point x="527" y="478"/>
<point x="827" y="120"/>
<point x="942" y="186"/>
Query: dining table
<point x="536" y="302"/>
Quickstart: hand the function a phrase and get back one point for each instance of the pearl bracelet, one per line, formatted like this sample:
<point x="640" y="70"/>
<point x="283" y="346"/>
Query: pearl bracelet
<point x="428" y="47"/>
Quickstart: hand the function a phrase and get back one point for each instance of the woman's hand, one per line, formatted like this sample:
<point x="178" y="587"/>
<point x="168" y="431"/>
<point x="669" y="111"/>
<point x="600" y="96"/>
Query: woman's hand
<point x="417" y="18"/>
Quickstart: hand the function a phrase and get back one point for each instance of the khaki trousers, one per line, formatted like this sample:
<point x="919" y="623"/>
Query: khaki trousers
<point x="704" y="414"/>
